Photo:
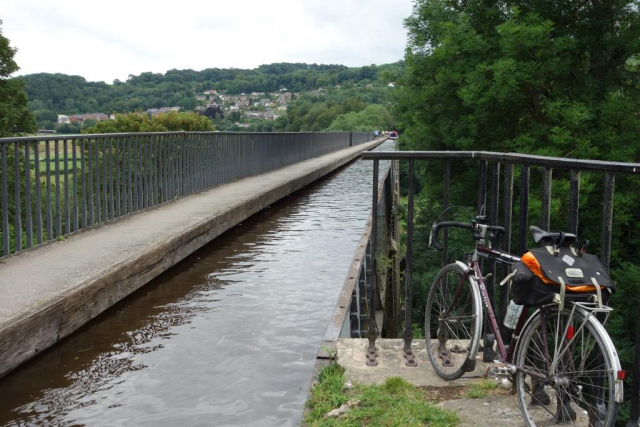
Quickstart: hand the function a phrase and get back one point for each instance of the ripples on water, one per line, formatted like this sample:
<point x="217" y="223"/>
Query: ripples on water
<point x="227" y="337"/>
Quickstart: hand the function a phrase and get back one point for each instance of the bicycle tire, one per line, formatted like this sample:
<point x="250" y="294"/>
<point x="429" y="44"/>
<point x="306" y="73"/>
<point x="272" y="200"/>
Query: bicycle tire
<point x="580" y="390"/>
<point x="452" y="342"/>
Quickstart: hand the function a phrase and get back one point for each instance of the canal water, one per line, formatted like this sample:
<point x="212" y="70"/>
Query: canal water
<point x="226" y="337"/>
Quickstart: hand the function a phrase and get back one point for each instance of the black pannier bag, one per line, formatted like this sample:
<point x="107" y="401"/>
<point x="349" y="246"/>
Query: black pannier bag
<point x="536" y="279"/>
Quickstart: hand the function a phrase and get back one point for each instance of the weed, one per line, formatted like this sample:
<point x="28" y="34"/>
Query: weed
<point x="478" y="391"/>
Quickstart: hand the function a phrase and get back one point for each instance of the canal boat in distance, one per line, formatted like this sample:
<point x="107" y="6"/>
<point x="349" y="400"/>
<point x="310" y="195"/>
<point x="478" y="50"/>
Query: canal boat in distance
<point x="393" y="135"/>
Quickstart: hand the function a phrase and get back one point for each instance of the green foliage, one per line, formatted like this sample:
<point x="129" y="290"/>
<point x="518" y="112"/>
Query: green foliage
<point x="139" y="122"/>
<point x="371" y="118"/>
<point x="14" y="114"/>
<point x="548" y="78"/>
<point x="394" y="403"/>
<point x="481" y="390"/>
<point x="66" y="94"/>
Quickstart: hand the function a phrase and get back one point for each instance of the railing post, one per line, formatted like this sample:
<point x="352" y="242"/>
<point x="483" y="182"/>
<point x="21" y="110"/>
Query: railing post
<point x="5" y="201"/>
<point x="408" y="289"/>
<point x="574" y="201"/>
<point x="489" y="354"/>
<point x="16" y="188"/>
<point x="607" y="219"/>
<point x="507" y="215"/>
<point x="372" y="332"/>
<point x="523" y="221"/>
<point x="546" y="198"/>
<point x="482" y="188"/>
<point x="445" y="206"/>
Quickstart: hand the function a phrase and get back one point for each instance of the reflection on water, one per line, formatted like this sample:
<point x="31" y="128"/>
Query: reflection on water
<point x="227" y="337"/>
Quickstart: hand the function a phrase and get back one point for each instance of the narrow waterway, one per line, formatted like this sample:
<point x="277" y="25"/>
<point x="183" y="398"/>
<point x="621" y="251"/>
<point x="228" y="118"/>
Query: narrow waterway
<point x="227" y="337"/>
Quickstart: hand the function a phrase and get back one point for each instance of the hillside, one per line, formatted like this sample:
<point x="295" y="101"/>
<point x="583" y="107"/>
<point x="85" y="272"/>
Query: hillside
<point x="309" y="84"/>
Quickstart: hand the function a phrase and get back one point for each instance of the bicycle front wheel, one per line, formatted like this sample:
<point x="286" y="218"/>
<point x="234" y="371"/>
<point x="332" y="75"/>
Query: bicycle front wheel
<point x="452" y="322"/>
<point x="566" y="371"/>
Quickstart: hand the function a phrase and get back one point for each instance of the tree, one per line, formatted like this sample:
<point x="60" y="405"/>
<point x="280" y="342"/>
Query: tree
<point x="14" y="114"/>
<point x="552" y="77"/>
<point x="140" y="122"/>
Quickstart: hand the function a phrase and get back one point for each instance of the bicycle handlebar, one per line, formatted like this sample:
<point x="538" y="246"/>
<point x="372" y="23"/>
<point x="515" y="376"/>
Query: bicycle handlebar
<point x="435" y="229"/>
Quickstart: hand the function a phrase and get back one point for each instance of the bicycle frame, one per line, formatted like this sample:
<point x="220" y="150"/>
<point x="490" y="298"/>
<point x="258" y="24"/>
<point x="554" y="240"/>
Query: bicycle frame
<point x="500" y="256"/>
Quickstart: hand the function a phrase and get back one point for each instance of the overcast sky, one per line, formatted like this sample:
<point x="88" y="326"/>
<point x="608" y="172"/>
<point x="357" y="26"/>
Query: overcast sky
<point x="107" y="40"/>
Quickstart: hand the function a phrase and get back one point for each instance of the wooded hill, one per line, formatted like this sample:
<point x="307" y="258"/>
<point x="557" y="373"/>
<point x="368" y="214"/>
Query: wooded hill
<point x="64" y="94"/>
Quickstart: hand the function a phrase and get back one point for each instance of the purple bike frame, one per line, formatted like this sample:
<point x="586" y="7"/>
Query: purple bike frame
<point x="507" y="355"/>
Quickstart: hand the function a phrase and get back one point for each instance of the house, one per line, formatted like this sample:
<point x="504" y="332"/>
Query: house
<point x="268" y="115"/>
<point x="242" y="104"/>
<point x="211" y="92"/>
<point x="392" y="84"/>
<point x="95" y="116"/>
<point x="76" y="118"/>
<point x="282" y="108"/>
<point x="63" y="119"/>
<point x="201" y="98"/>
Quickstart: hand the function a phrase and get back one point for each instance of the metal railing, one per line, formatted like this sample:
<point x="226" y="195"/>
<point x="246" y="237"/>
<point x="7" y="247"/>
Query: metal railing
<point x="489" y="172"/>
<point x="352" y="317"/>
<point x="52" y="186"/>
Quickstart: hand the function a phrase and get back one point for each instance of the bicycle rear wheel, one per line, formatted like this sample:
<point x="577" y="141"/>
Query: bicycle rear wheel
<point x="452" y="322"/>
<point x="572" y="382"/>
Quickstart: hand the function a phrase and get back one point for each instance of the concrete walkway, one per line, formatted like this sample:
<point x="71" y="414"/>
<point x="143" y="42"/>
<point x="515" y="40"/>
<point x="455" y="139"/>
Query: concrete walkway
<point x="498" y="409"/>
<point x="49" y="292"/>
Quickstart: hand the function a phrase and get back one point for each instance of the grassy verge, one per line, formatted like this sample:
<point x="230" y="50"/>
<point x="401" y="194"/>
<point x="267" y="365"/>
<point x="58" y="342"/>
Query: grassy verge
<point x="478" y="391"/>
<point x="394" y="403"/>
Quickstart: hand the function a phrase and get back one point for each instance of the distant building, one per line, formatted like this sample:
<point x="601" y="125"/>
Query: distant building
<point x="161" y="110"/>
<point x="201" y="98"/>
<point x="392" y="84"/>
<point x="211" y="92"/>
<point x="95" y="116"/>
<point x="63" y="119"/>
<point x="268" y="115"/>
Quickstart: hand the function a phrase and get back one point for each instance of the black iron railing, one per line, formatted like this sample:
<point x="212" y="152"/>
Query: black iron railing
<point x="52" y="186"/>
<point x="489" y="171"/>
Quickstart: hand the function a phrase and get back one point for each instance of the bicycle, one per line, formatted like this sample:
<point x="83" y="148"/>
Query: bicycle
<point x="561" y="361"/>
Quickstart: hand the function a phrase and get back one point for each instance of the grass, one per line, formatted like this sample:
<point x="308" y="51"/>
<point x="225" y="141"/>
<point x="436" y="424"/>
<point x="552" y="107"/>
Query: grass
<point x="394" y="403"/>
<point x="478" y="391"/>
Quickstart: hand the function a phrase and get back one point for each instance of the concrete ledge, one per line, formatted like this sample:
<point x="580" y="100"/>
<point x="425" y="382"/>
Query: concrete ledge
<point x="51" y="291"/>
<point x="351" y="355"/>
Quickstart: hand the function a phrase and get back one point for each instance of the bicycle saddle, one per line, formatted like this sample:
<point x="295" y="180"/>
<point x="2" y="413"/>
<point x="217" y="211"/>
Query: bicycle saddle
<point x="557" y="237"/>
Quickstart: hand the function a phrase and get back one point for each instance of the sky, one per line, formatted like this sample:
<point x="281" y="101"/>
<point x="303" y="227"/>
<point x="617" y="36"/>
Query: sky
<point x="112" y="39"/>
